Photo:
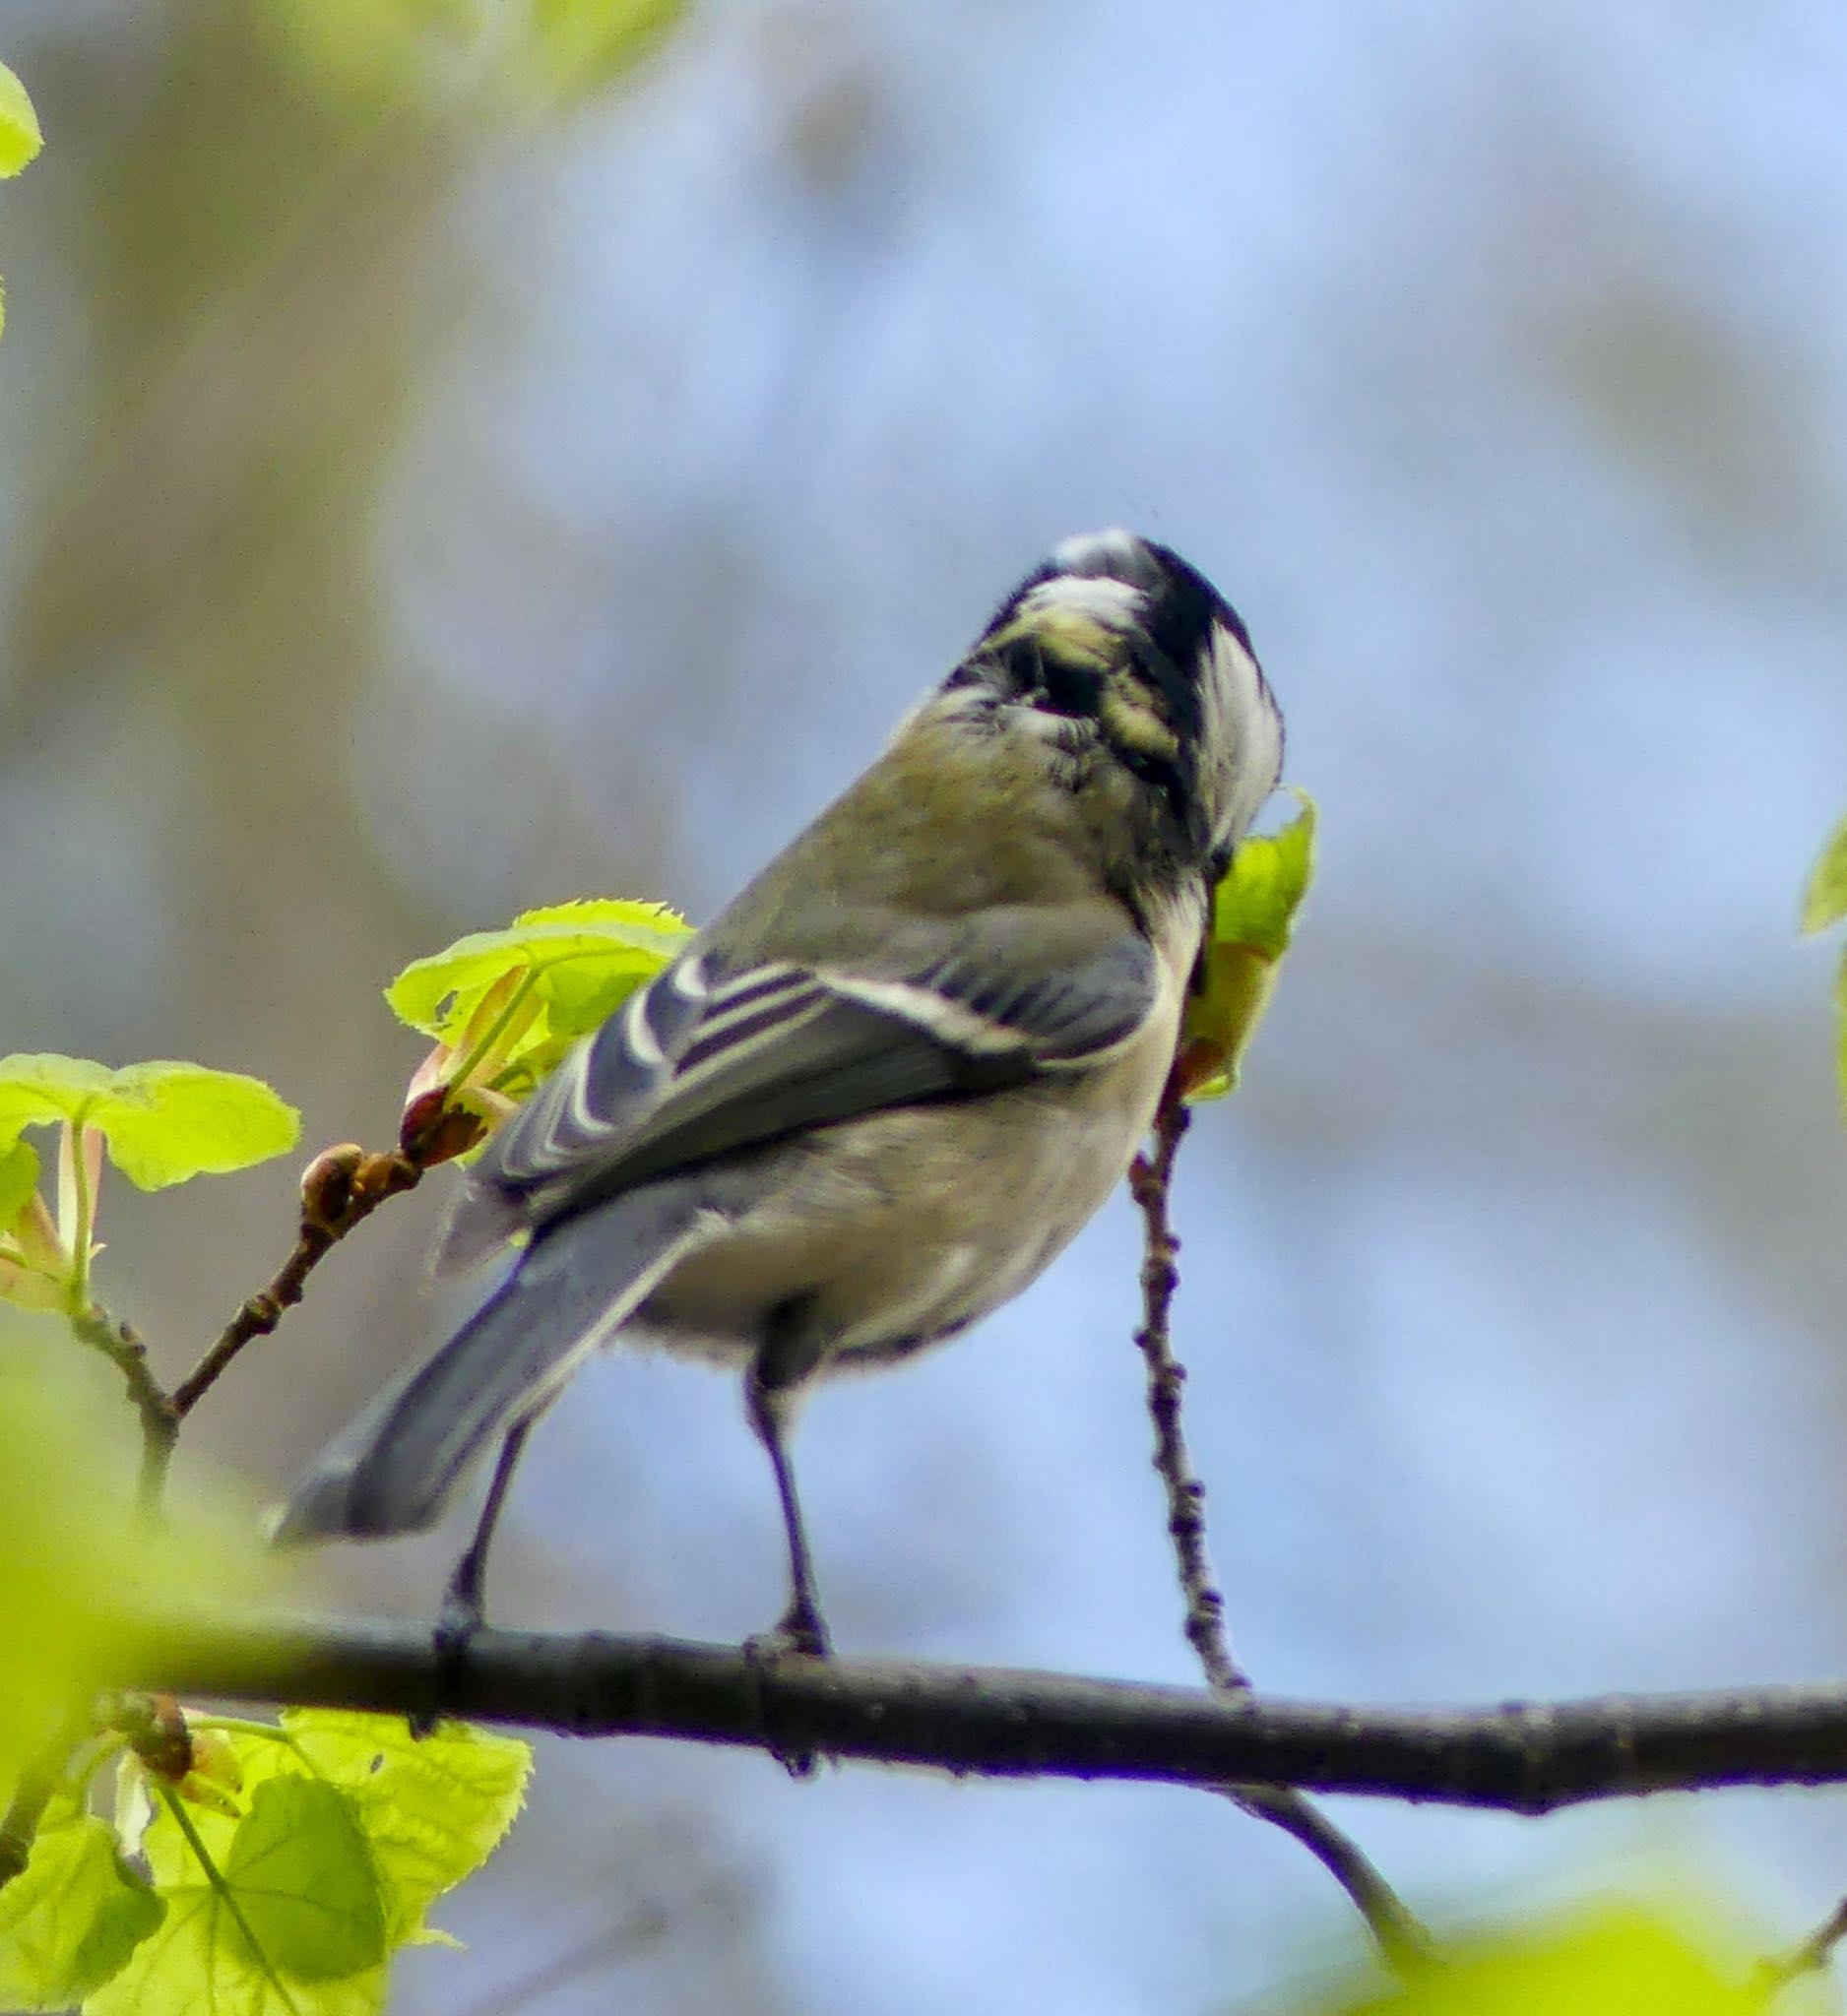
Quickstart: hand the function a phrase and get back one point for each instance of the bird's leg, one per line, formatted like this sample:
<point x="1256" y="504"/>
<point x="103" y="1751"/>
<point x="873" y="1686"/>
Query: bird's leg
<point x="462" y="1614"/>
<point x="788" y="1356"/>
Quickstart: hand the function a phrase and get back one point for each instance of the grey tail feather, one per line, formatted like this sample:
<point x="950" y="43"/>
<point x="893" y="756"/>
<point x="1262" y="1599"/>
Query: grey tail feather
<point x="394" y="1466"/>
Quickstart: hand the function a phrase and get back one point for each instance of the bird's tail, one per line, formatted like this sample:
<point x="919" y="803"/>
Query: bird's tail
<point x="391" y="1470"/>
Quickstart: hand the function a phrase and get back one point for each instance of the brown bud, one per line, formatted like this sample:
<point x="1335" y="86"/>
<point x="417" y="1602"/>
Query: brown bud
<point x="327" y="1185"/>
<point x="434" y="1131"/>
<point x="161" y="1740"/>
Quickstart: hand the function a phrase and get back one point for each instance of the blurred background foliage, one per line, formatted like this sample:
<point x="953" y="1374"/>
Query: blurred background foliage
<point x="455" y="458"/>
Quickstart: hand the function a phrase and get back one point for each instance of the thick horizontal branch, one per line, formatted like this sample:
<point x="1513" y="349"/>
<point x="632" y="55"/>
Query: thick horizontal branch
<point x="991" y="1721"/>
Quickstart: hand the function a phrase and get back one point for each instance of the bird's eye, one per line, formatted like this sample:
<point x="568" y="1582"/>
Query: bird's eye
<point x="1067" y="688"/>
<point x="1158" y="773"/>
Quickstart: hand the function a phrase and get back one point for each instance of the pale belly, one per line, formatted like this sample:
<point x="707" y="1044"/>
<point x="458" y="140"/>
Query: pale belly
<point x="891" y="1233"/>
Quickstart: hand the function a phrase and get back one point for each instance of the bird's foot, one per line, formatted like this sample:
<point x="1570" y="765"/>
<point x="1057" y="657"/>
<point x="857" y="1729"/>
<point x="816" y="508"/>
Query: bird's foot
<point x="801" y="1633"/>
<point x="457" y="1622"/>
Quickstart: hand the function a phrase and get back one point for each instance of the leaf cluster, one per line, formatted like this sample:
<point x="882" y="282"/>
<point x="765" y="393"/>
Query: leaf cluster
<point x="285" y="1880"/>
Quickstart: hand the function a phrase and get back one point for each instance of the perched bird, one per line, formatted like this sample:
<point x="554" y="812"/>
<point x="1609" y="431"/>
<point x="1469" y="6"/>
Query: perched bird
<point x="892" y="1079"/>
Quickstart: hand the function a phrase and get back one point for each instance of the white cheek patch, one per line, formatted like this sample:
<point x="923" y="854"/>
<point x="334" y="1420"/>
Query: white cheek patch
<point x="1242" y="720"/>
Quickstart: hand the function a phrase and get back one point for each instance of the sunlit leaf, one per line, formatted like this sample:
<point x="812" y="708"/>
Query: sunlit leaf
<point x="164" y="1122"/>
<point x="1824" y="901"/>
<point x="20" y="137"/>
<point x="290" y="1919"/>
<point x="613" y="940"/>
<point x="1254" y="916"/>
<point x="506" y="1005"/>
<point x="433" y="1808"/>
<point x="72" y="1918"/>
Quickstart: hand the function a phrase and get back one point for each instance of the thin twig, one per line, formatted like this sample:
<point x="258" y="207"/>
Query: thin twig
<point x="341" y="1189"/>
<point x="1813" y="1955"/>
<point x="31" y="1793"/>
<point x="120" y="1343"/>
<point x="1399" y="1935"/>
<point x="1149" y="1182"/>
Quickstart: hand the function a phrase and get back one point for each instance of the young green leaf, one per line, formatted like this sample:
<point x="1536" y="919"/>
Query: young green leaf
<point x="301" y="1869"/>
<point x="20" y="137"/>
<point x="433" y="1808"/>
<point x="504" y="1006"/>
<point x="1825" y="902"/>
<point x="164" y="1122"/>
<point x="72" y="1918"/>
<point x="1254" y="916"/>
<point x="351" y="1829"/>
<point x="622" y="942"/>
<point x="275" y="1913"/>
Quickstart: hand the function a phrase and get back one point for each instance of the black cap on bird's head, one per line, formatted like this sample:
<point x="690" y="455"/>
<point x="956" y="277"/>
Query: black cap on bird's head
<point x="1119" y="631"/>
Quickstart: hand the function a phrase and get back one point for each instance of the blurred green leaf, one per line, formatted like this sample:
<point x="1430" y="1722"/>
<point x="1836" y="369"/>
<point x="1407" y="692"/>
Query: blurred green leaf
<point x="20" y="136"/>
<point x="83" y="1588"/>
<point x="1620" y="1962"/>
<point x="1254" y="916"/>
<point x="1825" y="902"/>
<point x="164" y="1122"/>
<point x="72" y="1918"/>
<point x="580" y="45"/>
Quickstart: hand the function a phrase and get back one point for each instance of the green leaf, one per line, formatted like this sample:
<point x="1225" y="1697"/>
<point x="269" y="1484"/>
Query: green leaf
<point x="18" y="1178"/>
<point x="20" y="137"/>
<point x="164" y="1122"/>
<point x="1254" y="907"/>
<point x="1825" y="902"/>
<point x="72" y="1918"/>
<point x="289" y="1921"/>
<point x="509" y="1004"/>
<point x="1254" y="916"/>
<point x="433" y="1808"/>
<point x="624" y="940"/>
<point x="301" y="1870"/>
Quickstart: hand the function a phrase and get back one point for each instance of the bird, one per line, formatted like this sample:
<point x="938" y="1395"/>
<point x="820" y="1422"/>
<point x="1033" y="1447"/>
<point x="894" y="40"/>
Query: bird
<point x="875" y="1096"/>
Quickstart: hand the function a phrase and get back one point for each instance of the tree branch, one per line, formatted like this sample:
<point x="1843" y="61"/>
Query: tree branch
<point x="1527" y="1758"/>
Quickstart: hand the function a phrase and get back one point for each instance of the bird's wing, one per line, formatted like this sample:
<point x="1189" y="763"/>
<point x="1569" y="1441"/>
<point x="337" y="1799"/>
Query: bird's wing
<point x="706" y="1060"/>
